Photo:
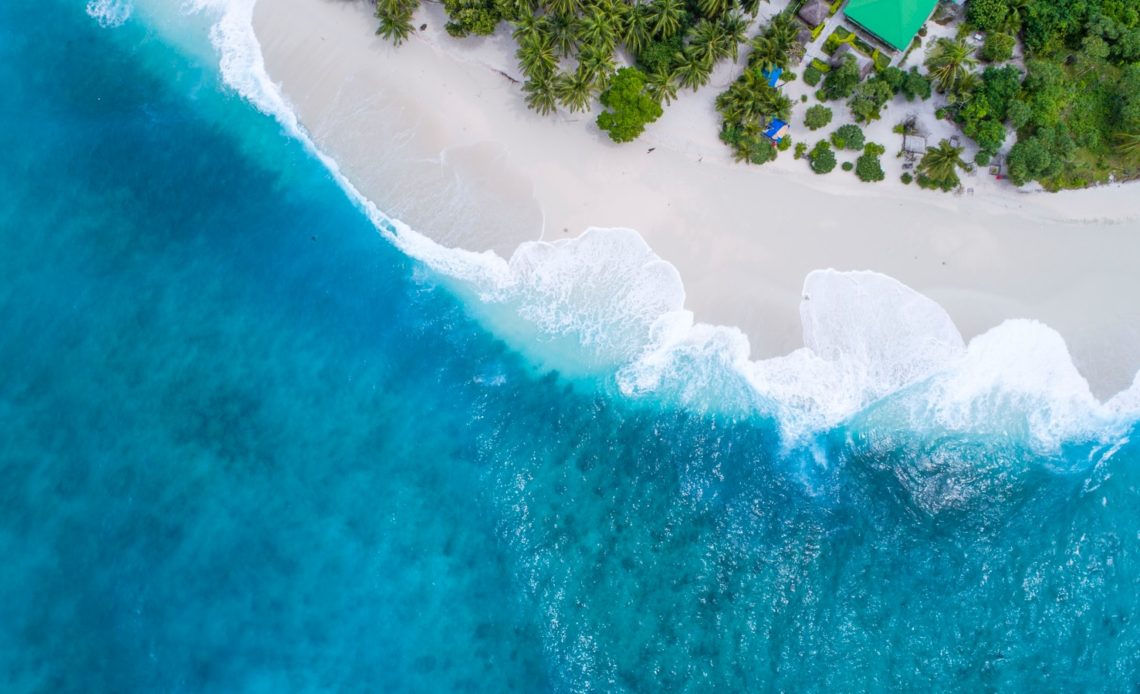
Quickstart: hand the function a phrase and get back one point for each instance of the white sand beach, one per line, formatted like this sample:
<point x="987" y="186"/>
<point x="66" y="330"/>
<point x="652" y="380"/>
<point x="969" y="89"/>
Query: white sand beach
<point x="436" y="133"/>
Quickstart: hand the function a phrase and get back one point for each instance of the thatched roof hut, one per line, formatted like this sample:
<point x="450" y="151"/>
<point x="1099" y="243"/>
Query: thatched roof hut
<point x="814" y="12"/>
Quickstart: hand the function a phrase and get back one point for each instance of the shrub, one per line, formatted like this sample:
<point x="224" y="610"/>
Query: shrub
<point x="812" y="76"/>
<point x="784" y="144"/>
<point x="848" y="137"/>
<point x="803" y="98"/>
<point x="874" y="149"/>
<point x="847" y="166"/>
<point x="820" y="66"/>
<point x="801" y="150"/>
<point x="998" y="47"/>
<point x="817" y="116"/>
<point x="868" y="168"/>
<point x="822" y="158"/>
<point x="940" y="113"/>
<point x="840" y="82"/>
<point x="629" y="108"/>
<point x="982" y="158"/>
<point x="915" y="84"/>
<point x="906" y="178"/>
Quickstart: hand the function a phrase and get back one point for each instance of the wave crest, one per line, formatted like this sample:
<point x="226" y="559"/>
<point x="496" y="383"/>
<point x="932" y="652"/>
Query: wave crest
<point x="605" y="304"/>
<point x="109" y="13"/>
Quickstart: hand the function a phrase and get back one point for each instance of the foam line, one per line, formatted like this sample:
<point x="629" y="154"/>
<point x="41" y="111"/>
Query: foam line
<point x="604" y="303"/>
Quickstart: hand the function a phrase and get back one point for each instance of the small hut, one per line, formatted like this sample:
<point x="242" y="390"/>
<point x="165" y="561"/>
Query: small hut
<point x="814" y="12"/>
<point x="914" y="137"/>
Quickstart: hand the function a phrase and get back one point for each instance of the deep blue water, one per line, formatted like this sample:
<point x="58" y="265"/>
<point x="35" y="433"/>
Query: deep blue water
<point x="249" y="446"/>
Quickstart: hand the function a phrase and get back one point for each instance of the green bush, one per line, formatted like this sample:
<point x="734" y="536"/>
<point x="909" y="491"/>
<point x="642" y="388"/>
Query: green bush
<point x="479" y="18"/>
<point x="822" y="158"/>
<point x="801" y="150"/>
<point x="998" y="47"/>
<point x="868" y="168"/>
<point x="848" y="137"/>
<point x="982" y="158"/>
<point x="874" y="149"/>
<point x="847" y="166"/>
<point x="629" y="108"/>
<point x="817" y="116"/>
<point x="819" y="65"/>
<point x="803" y="98"/>
<point x="906" y="178"/>
<point x="940" y="113"/>
<point x="812" y="76"/>
<point x="784" y="144"/>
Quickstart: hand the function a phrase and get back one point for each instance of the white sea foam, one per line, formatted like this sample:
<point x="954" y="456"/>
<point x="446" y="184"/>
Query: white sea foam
<point x="606" y="302"/>
<point x="109" y="13"/>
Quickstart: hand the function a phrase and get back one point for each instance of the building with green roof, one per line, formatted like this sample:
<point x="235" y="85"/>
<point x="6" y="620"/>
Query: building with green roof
<point x="894" y="22"/>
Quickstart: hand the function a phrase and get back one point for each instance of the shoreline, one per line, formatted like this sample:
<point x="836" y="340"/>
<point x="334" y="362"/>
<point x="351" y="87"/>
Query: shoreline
<point x="437" y="137"/>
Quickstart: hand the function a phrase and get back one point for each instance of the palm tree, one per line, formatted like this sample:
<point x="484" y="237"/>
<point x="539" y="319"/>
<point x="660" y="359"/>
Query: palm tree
<point x="1127" y="144"/>
<point x="574" y="89"/>
<point x="598" y="64"/>
<point x="540" y="95"/>
<point x="661" y="86"/>
<point x="940" y="164"/>
<point x="778" y="46"/>
<point x="525" y="28"/>
<point x="395" y="20"/>
<point x="638" y="32"/>
<point x="536" y="56"/>
<point x="396" y="28"/>
<point x="713" y="8"/>
<point x="569" y="8"/>
<point x="691" y="71"/>
<point x="597" y="30"/>
<point x="563" y="33"/>
<point x="703" y="40"/>
<point x="666" y="16"/>
<point x="733" y="32"/>
<point x="949" y="61"/>
<point x="751" y="7"/>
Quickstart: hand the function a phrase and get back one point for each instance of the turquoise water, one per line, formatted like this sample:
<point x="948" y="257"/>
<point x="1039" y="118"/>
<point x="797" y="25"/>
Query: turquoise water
<point x="250" y="446"/>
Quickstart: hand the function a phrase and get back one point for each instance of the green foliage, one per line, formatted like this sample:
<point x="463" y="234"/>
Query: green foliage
<point x="801" y="150"/>
<point x="874" y="149"/>
<point x="915" y="85"/>
<point x="998" y="47"/>
<point x="778" y="45"/>
<point x="812" y="76"/>
<point x="987" y="15"/>
<point x="745" y="108"/>
<point x="939" y="167"/>
<point x="630" y="109"/>
<point x="817" y="116"/>
<point x="847" y="166"/>
<point x="822" y="158"/>
<point x="949" y="61"/>
<point x="467" y="17"/>
<point x="906" y="178"/>
<point x="821" y="66"/>
<point x="659" y="55"/>
<point x="848" y="137"/>
<point x="396" y="19"/>
<point x="841" y="81"/>
<point x="868" y="168"/>
<point x="868" y="98"/>
<point x="784" y="144"/>
<point x="982" y="158"/>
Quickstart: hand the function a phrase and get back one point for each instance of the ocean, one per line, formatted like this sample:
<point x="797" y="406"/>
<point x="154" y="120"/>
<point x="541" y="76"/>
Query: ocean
<point x="259" y="438"/>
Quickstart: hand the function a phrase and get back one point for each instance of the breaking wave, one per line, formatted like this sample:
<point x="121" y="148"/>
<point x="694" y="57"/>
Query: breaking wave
<point x="876" y="353"/>
<point x="109" y="13"/>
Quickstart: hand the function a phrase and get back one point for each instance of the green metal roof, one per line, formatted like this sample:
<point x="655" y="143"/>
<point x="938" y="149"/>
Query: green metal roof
<point x="894" y="21"/>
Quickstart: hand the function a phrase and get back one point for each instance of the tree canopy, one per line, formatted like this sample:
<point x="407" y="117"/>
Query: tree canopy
<point x="629" y="107"/>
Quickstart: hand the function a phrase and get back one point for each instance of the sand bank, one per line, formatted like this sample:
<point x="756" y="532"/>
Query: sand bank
<point x="436" y="133"/>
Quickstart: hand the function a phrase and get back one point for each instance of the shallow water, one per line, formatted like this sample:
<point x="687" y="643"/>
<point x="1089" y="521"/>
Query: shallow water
<point x="251" y="446"/>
